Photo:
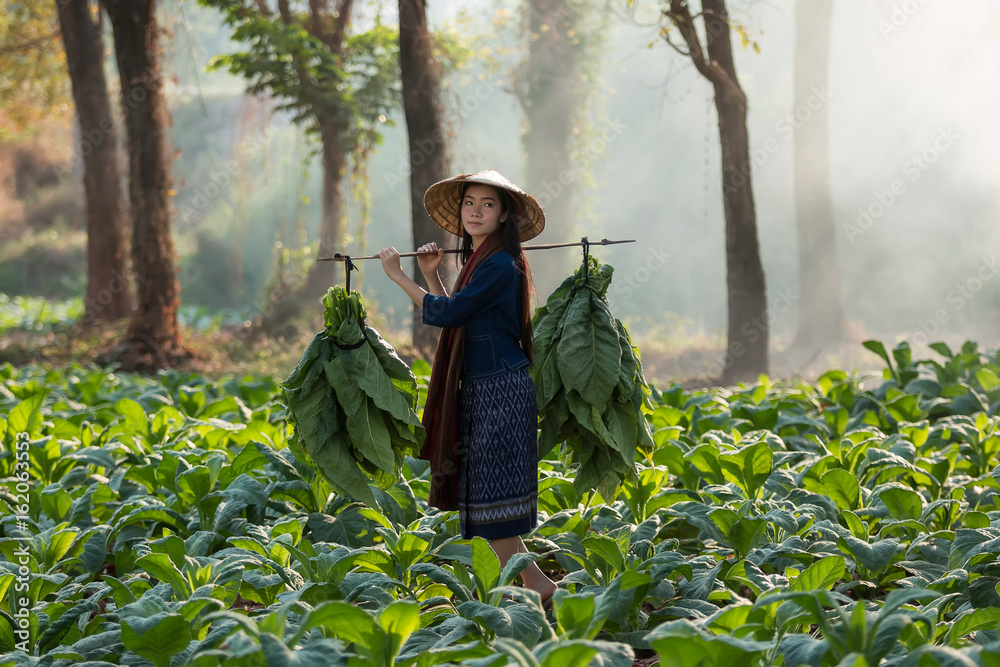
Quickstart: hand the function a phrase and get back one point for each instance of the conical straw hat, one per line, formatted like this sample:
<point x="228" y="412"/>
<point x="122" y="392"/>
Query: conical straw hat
<point x="443" y="202"/>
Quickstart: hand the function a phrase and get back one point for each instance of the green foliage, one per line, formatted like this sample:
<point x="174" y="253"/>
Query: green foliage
<point x="169" y="522"/>
<point x="590" y="389"/>
<point x="352" y="87"/>
<point x="353" y="402"/>
<point x="33" y="314"/>
<point x="26" y="313"/>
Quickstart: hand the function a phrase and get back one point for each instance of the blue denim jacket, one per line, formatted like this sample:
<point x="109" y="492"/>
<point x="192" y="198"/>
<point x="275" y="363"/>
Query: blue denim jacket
<point x="488" y="308"/>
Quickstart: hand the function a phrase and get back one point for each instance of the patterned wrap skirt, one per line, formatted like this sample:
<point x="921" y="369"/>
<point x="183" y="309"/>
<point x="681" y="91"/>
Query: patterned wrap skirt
<point x="498" y="474"/>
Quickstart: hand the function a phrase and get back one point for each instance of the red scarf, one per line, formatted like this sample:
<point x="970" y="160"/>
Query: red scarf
<point x="442" y="446"/>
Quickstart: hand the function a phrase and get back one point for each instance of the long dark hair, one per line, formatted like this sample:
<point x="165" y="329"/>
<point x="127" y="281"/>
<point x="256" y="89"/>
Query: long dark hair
<point x="510" y="237"/>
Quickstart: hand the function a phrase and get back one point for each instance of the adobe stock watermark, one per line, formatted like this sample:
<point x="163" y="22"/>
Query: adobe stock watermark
<point x="786" y="126"/>
<point x="957" y="298"/>
<point x="194" y="207"/>
<point x="913" y="169"/>
<point x="92" y="138"/>
<point x="626" y="284"/>
<point x="429" y="146"/>
<point x="118" y="283"/>
<point x="752" y="330"/>
<point x="20" y="486"/>
<point x="901" y="14"/>
<point x="582" y="158"/>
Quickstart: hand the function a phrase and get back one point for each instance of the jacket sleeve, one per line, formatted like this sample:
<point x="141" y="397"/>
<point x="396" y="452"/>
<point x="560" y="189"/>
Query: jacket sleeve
<point x="483" y="291"/>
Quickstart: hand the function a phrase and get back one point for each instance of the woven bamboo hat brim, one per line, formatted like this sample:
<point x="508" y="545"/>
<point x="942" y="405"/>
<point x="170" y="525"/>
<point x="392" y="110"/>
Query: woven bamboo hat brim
<point x="443" y="202"/>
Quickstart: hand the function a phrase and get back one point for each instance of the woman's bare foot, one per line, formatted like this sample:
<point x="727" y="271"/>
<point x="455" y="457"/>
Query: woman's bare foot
<point x="532" y="575"/>
<point x="548" y="594"/>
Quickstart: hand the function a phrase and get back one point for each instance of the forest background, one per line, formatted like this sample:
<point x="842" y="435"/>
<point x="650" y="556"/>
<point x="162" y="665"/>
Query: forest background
<point x="910" y="102"/>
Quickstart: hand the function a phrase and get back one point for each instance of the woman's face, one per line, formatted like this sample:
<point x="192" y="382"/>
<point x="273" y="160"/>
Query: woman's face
<point x="481" y="211"/>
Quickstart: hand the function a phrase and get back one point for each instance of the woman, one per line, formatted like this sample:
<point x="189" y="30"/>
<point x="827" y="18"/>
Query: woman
<point x="480" y="415"/>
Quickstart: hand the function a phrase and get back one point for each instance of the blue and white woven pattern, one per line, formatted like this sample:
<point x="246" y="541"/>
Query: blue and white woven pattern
<point x="498" y="476"/>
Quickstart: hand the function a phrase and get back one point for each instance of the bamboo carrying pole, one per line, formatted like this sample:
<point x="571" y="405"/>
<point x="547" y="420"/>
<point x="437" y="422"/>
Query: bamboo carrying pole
<point x="584" y="242"/>
<point x="338" y="257"/>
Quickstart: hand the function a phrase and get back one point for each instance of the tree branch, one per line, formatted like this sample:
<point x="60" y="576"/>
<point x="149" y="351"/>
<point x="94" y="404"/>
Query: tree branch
<point x="30" y="44"/>
<point x="675" y="47"/>
<point x="315" y="27"/>
<point x="341" y="19"/>
<point x="286" y="13"/>
<point x="680" y="14"/>
<point x="719" y="45"/>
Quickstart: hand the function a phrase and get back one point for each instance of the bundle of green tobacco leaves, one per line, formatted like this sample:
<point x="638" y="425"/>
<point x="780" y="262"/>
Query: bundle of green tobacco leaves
<point x="590" y="388"/>
<point x="352" y="401"/>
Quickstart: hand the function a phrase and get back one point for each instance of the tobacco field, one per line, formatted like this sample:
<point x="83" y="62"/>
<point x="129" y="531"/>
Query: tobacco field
<point x="851" y="521"/>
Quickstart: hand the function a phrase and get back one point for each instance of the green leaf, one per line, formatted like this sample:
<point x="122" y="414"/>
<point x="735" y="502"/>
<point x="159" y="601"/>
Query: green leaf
<point x="875" y="557"/>
<point x="879" y="349"/>
<point x="973" y="620"/>
<point x="588" y="350"/>
<point x="398" y="620"/>
<point x="903" y="355"/>
<point x="821" y="575"/>
<point x="570" y="655"/>
<point x="608" y="550"/>
<point x="122" y="594"/>
<point x="682" y="643"/>
<point x="346" y="621"/>
<point x="987" y="379"/>
<point x="367" y="427"/>
<point x="26" y="417"/>
<point x="152" y="632"/>
<point x="749" y="467"/>
<point x="804" y="650"/>
<point x="842" y="487"/>
<point x="55" y="632"/>
<point x="440" y="575"/>
<point x="194" y="484"/>
<point x="942" y="349"/>
<point x="133" y="417"/>
<point x="573" y="614"/>
<point x="161" y="567"/>
<point x="547" y="379"/>
<point x="365" y="369"/>
<point x="147" y="513"/>
<point x="746" y="534"/>
<point x="729" y="618"/>
<point x="903" y="503"/>
<point x="341" y="469"/>
<point x="485" y="567"/>
<point x="515" y="565"/>
<point x="409" y="549"/>
<point x="517" y="653"/>
<point x="494" y="618"/>
<point x="705" y="459"/>
<point x="970" y="542"/>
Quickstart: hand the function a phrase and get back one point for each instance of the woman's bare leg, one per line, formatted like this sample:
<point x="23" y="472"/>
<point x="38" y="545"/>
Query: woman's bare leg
<point x="532" y="576"/>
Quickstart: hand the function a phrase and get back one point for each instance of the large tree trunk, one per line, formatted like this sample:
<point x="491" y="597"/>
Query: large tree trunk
<point x="109" y="291"/>
<point x="553" y="96"/>
<point x="421" y="75"/>
<point x="747" y="353"/>
<point x="821" y="318"/>
<point x="153" y="257"/>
